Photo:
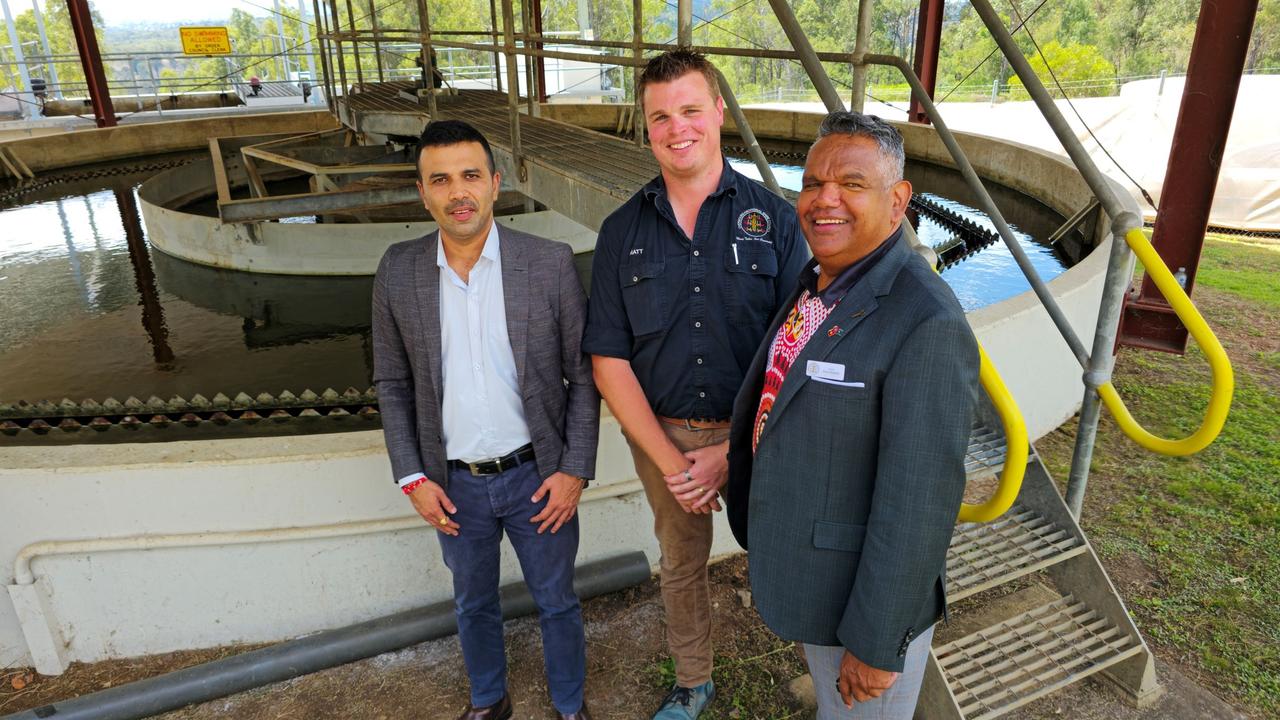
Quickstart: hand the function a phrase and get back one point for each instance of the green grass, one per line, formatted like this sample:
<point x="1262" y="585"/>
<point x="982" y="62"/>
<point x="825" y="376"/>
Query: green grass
<point x="751" y="677"/>
<point x="1241" y="268"/>
<point x="1206" y="527"/>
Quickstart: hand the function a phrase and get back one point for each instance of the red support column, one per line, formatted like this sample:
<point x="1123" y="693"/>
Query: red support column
<point x="95" y="75"/>
<point x="928" y="41"/>
<point x="1199" y="139"/>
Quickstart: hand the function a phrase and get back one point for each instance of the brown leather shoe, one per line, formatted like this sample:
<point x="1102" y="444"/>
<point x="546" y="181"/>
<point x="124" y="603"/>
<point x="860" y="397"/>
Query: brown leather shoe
<point x="580" y="715"/>
<point x="500" y="710"/>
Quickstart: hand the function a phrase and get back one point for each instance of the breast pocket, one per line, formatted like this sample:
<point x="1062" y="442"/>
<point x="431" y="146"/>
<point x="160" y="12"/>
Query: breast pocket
<point x="643" y="296"/>
<point x="752" y="273"/>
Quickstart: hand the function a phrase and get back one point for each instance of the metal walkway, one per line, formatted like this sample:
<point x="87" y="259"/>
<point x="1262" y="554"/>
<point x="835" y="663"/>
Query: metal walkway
<point x="580" y="173"/>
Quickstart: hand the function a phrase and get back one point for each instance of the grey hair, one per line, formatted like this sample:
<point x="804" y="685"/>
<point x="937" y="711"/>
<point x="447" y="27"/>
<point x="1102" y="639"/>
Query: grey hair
<point x="886" y="137"/>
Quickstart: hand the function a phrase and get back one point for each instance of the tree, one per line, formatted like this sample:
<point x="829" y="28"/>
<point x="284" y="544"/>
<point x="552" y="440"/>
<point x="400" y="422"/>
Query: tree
<point x="1081" y="69"/>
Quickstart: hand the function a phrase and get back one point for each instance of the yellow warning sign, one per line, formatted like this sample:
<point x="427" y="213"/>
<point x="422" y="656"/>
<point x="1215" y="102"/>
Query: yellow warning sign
<point x="205" y="41"/>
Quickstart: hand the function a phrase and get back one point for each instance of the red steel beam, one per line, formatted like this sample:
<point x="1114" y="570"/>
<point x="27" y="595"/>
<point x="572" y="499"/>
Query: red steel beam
<point x="928" y="41"/>
<point x="1199" y="139"/>
<point x="91" y="60"/>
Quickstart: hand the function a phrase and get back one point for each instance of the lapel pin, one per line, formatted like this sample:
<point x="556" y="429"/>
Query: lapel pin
<point x="834" y="331"/>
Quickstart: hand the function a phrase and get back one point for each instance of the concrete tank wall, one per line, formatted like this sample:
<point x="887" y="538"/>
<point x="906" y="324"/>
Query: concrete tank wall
<point x="105" y="604"/>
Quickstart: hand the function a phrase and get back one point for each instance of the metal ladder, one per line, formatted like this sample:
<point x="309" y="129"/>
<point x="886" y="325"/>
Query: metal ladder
<point x="1086" y="630"/>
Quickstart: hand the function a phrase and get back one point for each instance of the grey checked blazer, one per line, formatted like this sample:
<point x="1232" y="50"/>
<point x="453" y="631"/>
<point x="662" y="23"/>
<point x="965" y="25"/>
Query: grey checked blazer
<point x="546" y="313"/>
<point x="848" y="505"/>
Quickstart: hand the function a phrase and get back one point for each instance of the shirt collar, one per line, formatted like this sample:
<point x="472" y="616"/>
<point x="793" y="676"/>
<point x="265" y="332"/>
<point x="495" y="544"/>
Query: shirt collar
<point x="833" y="293"/>
<point x="728" y="183"/>
<point x="491" y="250"/>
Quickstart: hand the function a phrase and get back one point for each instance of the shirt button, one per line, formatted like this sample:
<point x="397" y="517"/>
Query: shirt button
<point x="696" y="253"/>
<point x="635" y="278"/>
<point x="699" y="361"/>
<point x="697" y="323"/>
<point x="753" y="266"/>
<point x="697" y="289"/>
<point x="702" y="394"/>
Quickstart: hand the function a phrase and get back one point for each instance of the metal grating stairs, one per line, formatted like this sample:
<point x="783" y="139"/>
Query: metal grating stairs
<point x="1014" y="661"/>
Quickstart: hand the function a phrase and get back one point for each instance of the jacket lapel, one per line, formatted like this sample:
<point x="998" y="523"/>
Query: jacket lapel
<point x="427" y="285"/>
<point x="856" y="306"/>
<point x="515" y="292"/>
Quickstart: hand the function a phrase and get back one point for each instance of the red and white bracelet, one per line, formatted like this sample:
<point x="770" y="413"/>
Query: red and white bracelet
<point x="411" y="486"/>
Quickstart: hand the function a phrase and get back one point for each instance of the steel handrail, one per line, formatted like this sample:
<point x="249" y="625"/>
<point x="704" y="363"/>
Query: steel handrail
<point x="1215" y="415"/>
<point x="1015" y="460"/>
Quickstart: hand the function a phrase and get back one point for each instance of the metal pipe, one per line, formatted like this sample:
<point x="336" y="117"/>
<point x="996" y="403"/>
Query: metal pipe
<point x="530" y="75"/>
<point x="306" y="42"/>
<point x="1102" y="360"/>
<point x="326" y="62"/>
<point x="812" y="65"/>
<point x="282" y="60"/>
<point x="493" y="38"/>
<point x="313" y="653"/>
<point x="428" y="67"/>
<point x="29" y="106"/>
<point x="513" y="87"/>
<point x="377" y="44"/>
<point x="637" y="40"/>
<point x="987" y="205"/>
<point x="48" y="50"/>
<point x="355" y="46"/>
<point x="684" y="23"/>
<point x="335" y="32"/>
<point x="861" y="43"/>
<point x="748" y="137"/>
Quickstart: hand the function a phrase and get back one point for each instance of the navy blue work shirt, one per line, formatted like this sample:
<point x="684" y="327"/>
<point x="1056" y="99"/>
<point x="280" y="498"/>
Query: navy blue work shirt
<point x="689" y="313"/>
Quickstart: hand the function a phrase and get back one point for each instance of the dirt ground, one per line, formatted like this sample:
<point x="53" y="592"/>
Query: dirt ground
<point x="626" y="675"/>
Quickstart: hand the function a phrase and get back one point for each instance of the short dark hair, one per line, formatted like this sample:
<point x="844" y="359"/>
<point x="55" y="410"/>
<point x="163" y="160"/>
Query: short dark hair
<point x="675" y="64"/>
<point x="886" y="137"/>
<point x="450" y="132"/>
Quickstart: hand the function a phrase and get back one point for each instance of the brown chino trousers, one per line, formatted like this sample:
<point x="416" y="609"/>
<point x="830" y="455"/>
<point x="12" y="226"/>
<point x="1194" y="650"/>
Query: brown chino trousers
<point x="685" y="542"/>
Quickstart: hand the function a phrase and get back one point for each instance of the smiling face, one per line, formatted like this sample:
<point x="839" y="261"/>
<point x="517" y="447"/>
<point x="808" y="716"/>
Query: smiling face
<point x="684" y="119"/>
<point x="849" y="201"/>
<point x="458" y="189"/>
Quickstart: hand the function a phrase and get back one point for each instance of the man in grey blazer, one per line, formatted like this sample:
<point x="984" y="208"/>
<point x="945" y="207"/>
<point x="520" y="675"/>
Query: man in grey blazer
<point x="489" y="410"/>
<point x="846" y="465"/>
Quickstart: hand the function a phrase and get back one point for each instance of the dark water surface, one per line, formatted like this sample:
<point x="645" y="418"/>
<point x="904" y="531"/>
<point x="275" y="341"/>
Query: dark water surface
<point x="91" y="311"/>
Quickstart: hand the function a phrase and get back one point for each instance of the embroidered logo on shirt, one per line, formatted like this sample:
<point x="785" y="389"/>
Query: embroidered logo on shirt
<point x="637" y="251"/>
<point x="754" y="222"/>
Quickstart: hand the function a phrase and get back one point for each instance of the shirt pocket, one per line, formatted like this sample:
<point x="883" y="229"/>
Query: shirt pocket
<point x="750" y="280"/>
<point x="643" y="297"/>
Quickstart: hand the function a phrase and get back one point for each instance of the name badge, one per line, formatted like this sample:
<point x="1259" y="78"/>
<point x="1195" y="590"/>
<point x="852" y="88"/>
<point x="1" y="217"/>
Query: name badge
<point x="824" y="370"/>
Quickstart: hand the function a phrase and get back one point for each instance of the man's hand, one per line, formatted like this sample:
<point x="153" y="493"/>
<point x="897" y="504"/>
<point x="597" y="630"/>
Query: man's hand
<point x="697" y="488"/>
<point x="860" y="682"/>
<point x="431" y="503"/>
<point x="565" y="490"/>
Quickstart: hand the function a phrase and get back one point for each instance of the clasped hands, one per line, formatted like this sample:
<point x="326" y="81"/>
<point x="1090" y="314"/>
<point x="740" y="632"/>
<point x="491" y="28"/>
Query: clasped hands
<point x="697" y="487"/>
<point x="434" y="505"/>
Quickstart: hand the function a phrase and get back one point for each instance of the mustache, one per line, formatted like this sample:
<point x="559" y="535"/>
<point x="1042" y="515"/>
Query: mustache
<point x="460" y="205"/>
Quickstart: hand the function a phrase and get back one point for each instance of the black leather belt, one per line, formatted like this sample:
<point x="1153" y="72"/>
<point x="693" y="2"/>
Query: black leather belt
<point x="496" y="465"/>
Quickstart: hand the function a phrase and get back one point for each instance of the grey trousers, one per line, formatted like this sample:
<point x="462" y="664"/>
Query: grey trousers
<point x="897" y="703"/>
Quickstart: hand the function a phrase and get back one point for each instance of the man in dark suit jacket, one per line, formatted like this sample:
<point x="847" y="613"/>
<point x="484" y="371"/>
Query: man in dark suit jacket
<point x="489" y="410"/>
<point x="847" y="446"/>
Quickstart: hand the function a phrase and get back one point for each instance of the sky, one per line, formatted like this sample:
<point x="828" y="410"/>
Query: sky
<point x="119" y="12"/>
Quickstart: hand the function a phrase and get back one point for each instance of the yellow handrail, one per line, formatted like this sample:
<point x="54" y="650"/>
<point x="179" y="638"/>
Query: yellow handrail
<point x="1015" y="461"/>
<point x="1223" y="380"/>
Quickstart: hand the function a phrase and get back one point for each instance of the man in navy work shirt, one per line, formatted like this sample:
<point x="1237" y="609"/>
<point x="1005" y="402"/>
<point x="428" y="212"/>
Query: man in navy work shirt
<point x="686" y="276"/>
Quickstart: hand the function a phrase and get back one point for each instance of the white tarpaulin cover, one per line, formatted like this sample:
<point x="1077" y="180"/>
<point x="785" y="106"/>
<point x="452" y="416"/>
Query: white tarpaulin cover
<point x="1137" y="129"/>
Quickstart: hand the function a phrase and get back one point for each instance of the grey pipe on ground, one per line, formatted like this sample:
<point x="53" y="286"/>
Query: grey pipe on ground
<point x="330" y="648"/>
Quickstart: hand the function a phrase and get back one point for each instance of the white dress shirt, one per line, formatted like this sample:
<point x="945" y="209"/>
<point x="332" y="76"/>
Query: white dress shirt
<point x="482" y="414"/>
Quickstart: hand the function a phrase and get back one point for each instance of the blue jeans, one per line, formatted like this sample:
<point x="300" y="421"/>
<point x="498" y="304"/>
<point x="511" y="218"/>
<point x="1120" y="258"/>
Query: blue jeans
<point x="487" y="506"/>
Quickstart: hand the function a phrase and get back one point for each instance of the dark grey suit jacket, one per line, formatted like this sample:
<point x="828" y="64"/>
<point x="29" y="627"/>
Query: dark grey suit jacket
<point x="546" y="313"/>
<point x="848" y="505"/>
